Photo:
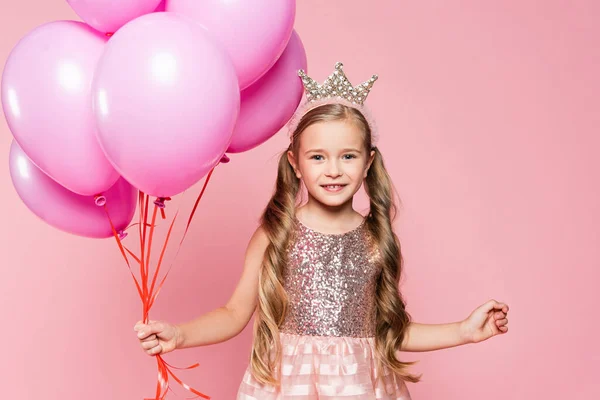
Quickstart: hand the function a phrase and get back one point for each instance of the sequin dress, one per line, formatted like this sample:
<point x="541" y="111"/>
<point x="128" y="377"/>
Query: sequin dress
<point x="327" y="336"/>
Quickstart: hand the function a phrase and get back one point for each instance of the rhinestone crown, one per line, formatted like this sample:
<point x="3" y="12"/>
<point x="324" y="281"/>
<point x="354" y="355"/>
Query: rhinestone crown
<point x="336" y="85"/>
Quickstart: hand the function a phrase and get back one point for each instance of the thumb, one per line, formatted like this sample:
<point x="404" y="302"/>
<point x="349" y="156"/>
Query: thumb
<point x="493" y="305"/>
<point x="153" y="327"/>
<point x="140" y="324"/>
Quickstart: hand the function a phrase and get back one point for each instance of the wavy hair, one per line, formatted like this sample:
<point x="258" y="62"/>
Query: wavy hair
<point x="278" y="223"/>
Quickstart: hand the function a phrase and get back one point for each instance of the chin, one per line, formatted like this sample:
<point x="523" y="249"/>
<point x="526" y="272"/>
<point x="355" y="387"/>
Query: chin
<point x="333" y="202"/>
<point x="330" y="203"/>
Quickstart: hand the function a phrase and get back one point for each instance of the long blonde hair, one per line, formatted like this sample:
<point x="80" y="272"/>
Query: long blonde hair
<point x="278" y="223"/>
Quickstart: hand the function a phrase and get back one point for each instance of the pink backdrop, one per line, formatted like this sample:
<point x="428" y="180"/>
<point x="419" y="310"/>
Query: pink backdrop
<point x="489" y="121"/>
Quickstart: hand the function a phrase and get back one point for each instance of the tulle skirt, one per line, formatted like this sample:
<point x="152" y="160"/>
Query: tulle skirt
<point x="327" y="367"/>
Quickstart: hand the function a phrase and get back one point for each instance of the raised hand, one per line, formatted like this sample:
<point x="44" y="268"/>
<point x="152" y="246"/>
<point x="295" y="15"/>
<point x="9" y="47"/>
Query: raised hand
<point x="485" y="321"/>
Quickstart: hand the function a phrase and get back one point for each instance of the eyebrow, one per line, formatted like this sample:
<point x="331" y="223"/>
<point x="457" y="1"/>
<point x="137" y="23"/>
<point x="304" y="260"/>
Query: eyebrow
<point x="323" y="151"/>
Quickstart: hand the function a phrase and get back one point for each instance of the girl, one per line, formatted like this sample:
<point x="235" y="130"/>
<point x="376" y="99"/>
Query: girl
<point x="322" y="279"/>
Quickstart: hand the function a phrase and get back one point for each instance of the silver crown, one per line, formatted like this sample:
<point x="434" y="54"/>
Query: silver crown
<point x="336" y="85"/>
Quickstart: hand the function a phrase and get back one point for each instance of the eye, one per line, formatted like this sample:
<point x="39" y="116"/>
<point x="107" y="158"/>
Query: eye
<point x="350" y="156"/>
<point x="316" y="155"/>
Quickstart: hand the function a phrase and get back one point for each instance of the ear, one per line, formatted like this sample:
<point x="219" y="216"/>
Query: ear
<point x="371" y="158"/>
<point x="293" y="163"/>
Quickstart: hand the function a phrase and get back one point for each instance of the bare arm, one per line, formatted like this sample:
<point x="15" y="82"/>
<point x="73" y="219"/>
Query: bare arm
<point x="228" y="321"/>
<point x="487" y="320"/>
<point x="428" y="337"/>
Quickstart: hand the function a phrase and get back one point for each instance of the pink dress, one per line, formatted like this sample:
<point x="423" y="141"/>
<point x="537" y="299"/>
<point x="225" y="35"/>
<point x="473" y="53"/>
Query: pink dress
<point x="328" y="334"/>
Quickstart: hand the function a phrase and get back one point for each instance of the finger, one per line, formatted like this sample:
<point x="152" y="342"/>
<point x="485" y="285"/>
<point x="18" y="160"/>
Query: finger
<point x="502" y="322"/>
<point x="149" y="344"/>
<point x="503" y="329"/>
<point x="149" y="338"/>
<point x="138" y="325"/>
<point x="155" y="350"/>
<point x="490" y="305"/>
<point x="495" y="305"/>
<point x="144" y="333"/>
<point x="499" y="315"/>
<point x="150" y="329"/>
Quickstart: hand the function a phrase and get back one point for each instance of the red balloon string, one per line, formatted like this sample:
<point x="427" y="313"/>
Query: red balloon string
<point x="132" y="225"/>
<point x="147" y="294"/>
<point x="144" y="264"/>
<point x="132" y="254"/>
<point x="121" y="248"/>
<point x="192" y="213"/>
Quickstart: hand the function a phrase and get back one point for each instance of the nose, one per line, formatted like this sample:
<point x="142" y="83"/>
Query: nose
<point x="333" y="169"/>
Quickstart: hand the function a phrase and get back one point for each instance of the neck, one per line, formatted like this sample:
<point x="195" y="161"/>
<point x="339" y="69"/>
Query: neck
<point x="333" y="216"/>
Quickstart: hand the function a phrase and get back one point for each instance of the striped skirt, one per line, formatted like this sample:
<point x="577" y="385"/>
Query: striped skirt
<point x="327" y="367"/>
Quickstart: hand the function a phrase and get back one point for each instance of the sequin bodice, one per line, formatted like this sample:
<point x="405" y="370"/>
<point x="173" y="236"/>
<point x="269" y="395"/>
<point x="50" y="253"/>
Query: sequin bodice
<point x="330" y="282"/>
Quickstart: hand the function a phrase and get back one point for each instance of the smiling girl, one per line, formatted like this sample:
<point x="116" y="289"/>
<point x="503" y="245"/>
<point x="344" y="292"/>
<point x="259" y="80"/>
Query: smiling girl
<point x="322" y="279"/>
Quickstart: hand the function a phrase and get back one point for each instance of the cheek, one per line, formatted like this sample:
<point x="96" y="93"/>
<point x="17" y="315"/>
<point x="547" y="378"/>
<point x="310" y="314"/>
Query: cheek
<point x="311" y="173"/>
<point x="356" y="171"/>
<point x="307" y="170"/>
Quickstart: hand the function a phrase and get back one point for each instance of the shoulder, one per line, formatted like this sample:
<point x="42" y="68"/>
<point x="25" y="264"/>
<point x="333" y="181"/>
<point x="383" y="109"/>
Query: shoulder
<point x="259" y="240"/>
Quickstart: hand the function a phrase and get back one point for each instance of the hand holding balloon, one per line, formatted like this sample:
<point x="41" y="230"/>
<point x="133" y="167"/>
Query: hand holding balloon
<point x="157" y="337"/>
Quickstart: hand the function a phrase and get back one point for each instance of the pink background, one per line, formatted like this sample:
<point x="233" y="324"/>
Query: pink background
<point x="489" y="122"/>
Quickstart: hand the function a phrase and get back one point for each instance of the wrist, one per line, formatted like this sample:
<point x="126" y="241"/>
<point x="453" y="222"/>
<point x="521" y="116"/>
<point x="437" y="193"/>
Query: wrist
<point x="178" y="337"/>
<point x="465" y="335"/>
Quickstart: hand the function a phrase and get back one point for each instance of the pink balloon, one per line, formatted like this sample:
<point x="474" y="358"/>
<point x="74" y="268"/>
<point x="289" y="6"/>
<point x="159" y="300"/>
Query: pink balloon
<point x="166" y="99"/>
<point x="66" y="210"/>
<point x="46" y="99"/>
<point x="254" y="32"/>
<point x="161" y="7"/>
<point x="268" y="104"/>
<point x="110" y="15"/>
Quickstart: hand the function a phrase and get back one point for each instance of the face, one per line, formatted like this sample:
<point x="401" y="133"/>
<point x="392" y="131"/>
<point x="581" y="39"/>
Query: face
<point x="332" y="162"/>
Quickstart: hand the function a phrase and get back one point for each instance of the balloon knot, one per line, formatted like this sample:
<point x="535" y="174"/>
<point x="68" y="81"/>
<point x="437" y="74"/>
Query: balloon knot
<point x="160" y="201"/>
<point x="122" y="234"/>
<point x="100" y="200"/>
<point x="224" y="159"/>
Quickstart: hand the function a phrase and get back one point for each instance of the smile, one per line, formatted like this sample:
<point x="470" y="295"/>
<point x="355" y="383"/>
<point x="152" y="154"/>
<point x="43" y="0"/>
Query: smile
<point x="333" y="188"/>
